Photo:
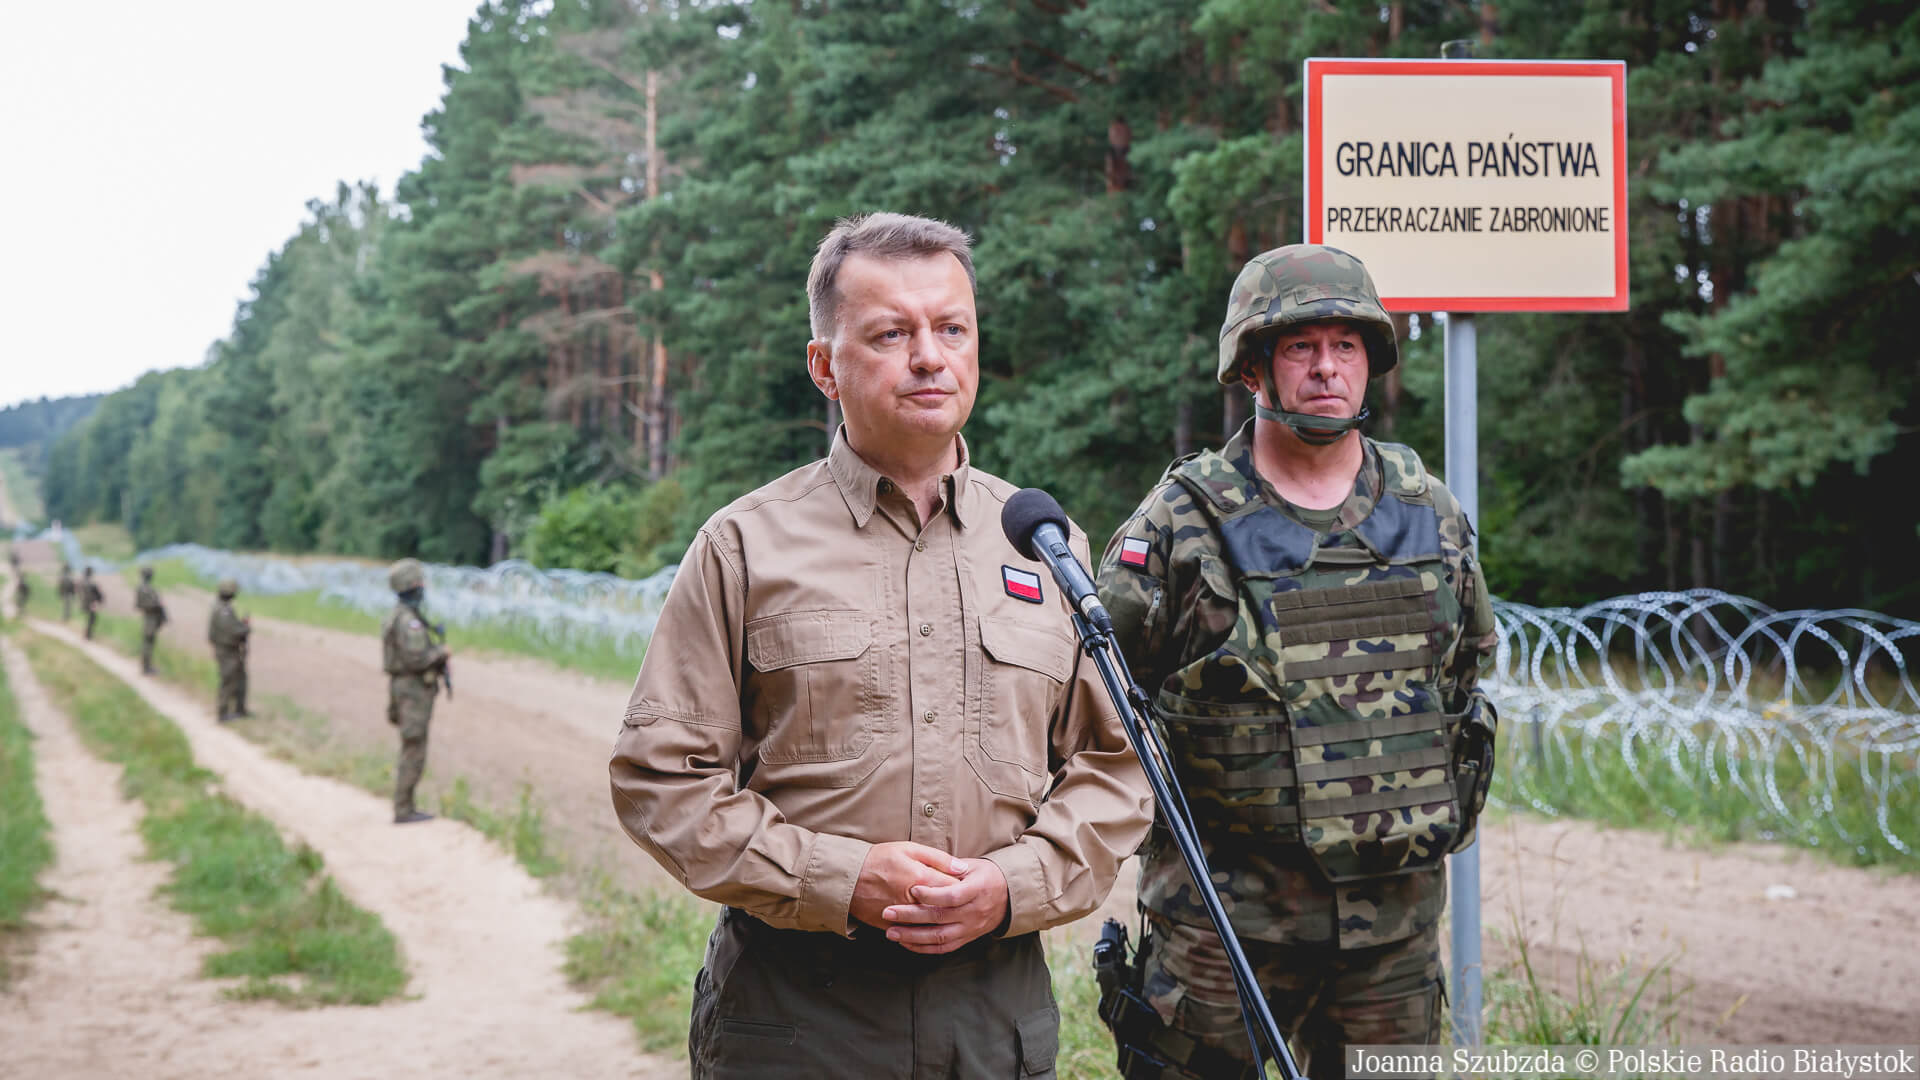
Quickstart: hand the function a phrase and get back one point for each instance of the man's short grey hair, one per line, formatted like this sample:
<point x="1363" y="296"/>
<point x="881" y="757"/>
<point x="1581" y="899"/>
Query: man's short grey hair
<point x="883" y="236"/>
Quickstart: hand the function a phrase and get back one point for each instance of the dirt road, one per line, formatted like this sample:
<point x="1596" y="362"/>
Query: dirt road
<point x="112" y="989"/>
<point x="1836" y="963"/>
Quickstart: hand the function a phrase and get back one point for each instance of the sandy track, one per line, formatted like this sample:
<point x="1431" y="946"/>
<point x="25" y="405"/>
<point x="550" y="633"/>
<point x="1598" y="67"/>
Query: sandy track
<point x="480" y="939"/>
<point x="512" y="721"/>
<point x="1837" y="963"/>
<point x="110" y="985"/>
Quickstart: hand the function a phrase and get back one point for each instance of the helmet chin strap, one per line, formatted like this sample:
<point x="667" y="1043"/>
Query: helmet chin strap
<point x="1313" y="430"/>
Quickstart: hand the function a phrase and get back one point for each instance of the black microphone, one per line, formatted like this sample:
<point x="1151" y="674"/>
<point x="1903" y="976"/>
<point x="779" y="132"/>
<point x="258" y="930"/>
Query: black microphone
<point x="1037" y="528"/>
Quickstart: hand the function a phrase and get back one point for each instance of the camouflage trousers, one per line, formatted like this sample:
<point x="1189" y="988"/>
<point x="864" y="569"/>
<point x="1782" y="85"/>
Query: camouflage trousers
<point x="66" y="607"/>
<point x="149" y="630"/>
<point x="409" y="708"/>
<point x="1323" y="997"/>
<point x="817" y="1006"/>
<point x="91" y="616"/>
<point x="233" y="683"/>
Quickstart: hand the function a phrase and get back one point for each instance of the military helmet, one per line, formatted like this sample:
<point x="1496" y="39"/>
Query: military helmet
<point x="1296" y="284"/>
<point x="229" y="588"/>
<point x="146" y="573"/>
<point x="407" y="574"/>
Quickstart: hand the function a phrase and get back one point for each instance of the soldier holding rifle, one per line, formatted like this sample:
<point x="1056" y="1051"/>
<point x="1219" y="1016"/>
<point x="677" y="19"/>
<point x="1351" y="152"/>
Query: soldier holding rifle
<point x="416" y="666"/>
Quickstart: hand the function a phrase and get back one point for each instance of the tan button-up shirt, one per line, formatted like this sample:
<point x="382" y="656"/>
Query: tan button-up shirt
<point x="828" y="674"/>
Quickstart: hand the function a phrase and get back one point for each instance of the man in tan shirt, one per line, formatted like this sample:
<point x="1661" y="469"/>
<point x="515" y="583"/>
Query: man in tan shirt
<point x="861" y="725"/>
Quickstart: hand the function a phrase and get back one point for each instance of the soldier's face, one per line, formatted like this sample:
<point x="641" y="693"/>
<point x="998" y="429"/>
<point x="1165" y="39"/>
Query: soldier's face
<point x="904" y="359"/>
<point x="1319" y="369"/>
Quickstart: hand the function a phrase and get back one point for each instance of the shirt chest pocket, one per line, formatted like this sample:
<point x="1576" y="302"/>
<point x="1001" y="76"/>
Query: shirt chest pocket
<point x="1021" y="672"/>
<point x="817" y="686"/>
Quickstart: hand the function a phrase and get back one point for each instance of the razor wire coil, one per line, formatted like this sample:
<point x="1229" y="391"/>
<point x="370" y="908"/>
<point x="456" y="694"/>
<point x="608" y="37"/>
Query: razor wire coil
<point x="1802" y="720"/>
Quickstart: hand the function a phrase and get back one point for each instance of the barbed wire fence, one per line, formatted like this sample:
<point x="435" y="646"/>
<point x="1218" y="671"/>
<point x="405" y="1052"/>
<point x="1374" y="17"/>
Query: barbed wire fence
<point x="1803" y="724"/>
<point x="558" y="607"/>
<point x="1796" y="725"/>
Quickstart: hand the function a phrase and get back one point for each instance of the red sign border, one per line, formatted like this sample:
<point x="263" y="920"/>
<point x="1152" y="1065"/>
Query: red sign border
<point x="1317" y="68"/>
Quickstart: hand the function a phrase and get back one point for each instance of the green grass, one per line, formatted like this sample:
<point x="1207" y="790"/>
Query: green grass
<point x="522" y="831"/>
<point x="21" y="488"/>
<point x="25" y="848"/>
<point x="288" y="932"/>
<point x="1608" y="1006"/>
<point x="105" y="539"/>
<point x="1699" y="810"/>
<point x="639" y="958"/>
<point x="601" y="659"/>
<point x="1086" y="1048"/>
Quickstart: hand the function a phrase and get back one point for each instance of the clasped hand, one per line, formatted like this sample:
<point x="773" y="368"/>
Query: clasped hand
<point x="927" y="900"/>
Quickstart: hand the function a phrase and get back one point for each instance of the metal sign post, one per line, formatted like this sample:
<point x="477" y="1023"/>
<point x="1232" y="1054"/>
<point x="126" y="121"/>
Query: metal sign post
<point x="1471" y="185"/>
<point x="1463" y="479"/>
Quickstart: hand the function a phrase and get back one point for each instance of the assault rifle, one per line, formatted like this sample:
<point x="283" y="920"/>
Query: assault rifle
<point x="437" y="633"/>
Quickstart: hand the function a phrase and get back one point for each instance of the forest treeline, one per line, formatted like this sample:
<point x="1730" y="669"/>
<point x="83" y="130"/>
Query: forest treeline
<point x="34" y="425"/>
<point x="579" y="326"/>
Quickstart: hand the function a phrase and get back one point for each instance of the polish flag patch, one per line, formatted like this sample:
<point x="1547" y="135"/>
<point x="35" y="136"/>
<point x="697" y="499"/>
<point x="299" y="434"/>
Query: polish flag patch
<point x="1022" y="584"/>
<point x="1133" y="552"/>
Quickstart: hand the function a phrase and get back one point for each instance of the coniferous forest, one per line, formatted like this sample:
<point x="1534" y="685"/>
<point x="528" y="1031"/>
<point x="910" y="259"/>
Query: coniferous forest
<point x="579" y="326"/>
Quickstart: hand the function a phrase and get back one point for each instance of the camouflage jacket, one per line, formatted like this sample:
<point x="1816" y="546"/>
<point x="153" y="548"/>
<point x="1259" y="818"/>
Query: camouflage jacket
<point x="147" y="599"/>
<point x="1173" y="603"/>
<point x="226" y="629"/>
<point x="407" y="649"/>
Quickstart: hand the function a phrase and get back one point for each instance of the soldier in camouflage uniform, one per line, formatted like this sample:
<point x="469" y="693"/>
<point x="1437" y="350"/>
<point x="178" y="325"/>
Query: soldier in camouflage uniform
<point x="66" y="590"/>
<point x="228" y="632"/>
<point x="21" y="593"/>
<point x="1307" y="606"/>
<point x="153" y="615"/>
<point x="90" y="598"/>
<point x="415" y="664"/>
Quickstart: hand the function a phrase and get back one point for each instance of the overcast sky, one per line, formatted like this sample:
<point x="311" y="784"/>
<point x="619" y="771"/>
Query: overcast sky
<point x="153" y="154"/>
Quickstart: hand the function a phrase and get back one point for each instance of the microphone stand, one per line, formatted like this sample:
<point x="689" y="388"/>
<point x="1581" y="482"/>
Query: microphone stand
<point x="1131" y="703"/>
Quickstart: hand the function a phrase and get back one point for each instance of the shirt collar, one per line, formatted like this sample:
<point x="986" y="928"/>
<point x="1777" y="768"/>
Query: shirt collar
<point x="1359" y="503"/>
<point x="859" y="482"/>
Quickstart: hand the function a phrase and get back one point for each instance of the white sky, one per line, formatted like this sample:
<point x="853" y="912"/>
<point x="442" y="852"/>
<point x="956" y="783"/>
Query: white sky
<point x="153" y="154"/>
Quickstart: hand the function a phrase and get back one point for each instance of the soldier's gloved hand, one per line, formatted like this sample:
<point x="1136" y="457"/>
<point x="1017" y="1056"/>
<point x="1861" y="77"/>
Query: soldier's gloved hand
<point x="948" y="916"/>
<point x="891" y="871"/>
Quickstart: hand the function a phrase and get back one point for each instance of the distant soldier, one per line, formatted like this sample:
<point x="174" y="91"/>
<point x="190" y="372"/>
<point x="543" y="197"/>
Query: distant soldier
<point x="66" y="591"/>
<point x="228" y="632"/>
<point x="20" y="590"/>
<point x="415" y="664"/>
<point x="90" y="598"/>
<point x="153" y="615"/>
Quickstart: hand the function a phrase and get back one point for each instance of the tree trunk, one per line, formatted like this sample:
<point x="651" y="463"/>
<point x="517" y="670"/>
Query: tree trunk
<point x="1119" y="168"/>
<point x="1233" y="410"/>
<point x="1183" y="427"/>
<point x="656" y="408"/>
<point x="499" y="547"/>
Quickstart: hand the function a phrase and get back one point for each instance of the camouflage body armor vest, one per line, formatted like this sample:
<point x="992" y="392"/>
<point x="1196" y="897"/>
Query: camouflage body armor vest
<point x="1319" y="720"/>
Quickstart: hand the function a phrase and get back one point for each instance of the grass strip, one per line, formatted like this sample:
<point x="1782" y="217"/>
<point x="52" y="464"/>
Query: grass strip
<point x="639" y="958"/>
<point x="290" y="934"/>
<point x="25" y="846"/>
<point x="522" y="832"/>
<point x="596" y="657"/>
